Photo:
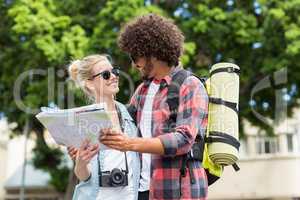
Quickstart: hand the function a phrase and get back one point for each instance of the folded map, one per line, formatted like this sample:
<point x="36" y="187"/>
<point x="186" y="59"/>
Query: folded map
<point x="69" y="127"/>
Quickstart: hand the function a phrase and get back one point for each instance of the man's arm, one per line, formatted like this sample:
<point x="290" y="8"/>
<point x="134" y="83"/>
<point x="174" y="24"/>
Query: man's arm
<point x="191" y="118"/>
<point x="121" y="142"/>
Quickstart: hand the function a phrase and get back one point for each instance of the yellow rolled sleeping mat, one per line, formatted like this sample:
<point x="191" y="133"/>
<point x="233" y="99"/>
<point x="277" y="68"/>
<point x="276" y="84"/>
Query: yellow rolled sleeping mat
<point x="223" y="130"/>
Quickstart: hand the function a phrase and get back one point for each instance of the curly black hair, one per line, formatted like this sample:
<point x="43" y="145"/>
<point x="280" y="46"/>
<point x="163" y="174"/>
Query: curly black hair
<point x="152" y="35"/>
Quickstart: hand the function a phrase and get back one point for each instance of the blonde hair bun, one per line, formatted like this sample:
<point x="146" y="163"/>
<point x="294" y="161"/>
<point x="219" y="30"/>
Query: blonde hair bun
<point x="73" y="70"/>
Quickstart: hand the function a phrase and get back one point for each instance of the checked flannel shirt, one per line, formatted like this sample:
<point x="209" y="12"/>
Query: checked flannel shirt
<point x="191" y="120"/>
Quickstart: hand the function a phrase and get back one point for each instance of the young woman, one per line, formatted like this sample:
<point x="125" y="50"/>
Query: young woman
<point x="103" y="174"/>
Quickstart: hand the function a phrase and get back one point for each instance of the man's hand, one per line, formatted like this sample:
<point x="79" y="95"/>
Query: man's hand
<point x="114" y="139"/>
<point x="119" y="141"/>
<point x="72" y="152"/>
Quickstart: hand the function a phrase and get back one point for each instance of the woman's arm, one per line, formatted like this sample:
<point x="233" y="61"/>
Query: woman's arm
<point x="84" y="155"/>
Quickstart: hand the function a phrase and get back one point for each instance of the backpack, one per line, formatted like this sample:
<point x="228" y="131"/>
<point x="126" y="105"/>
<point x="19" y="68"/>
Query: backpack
<point x="218" y="148"/>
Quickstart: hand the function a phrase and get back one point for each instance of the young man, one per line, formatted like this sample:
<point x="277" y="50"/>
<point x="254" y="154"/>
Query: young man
<point x="155" y="45"/>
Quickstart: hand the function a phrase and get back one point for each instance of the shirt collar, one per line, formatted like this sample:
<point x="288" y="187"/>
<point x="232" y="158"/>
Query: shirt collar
<point x="166" y="80"/>
<point x="147" y="81"/>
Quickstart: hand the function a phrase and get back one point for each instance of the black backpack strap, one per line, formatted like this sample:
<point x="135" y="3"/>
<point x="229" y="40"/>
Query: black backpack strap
<point x="173" y="92"/>
<point x="182" y="171"/>
<point x="236" y="167"/>
<point x="225" y="69"/>
<point x="173" y="103"/>
<point x="219" y="101"/>
<point x="132" y="110"/>
<point x="215" y="136"/>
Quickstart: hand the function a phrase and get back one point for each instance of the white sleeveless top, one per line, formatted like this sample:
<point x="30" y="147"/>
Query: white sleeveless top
<point x="109" y="159"/>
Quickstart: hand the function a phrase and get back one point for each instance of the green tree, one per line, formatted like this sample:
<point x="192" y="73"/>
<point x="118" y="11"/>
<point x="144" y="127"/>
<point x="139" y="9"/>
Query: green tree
<point x="260" y="36"/>
<point x="45" y="35"/>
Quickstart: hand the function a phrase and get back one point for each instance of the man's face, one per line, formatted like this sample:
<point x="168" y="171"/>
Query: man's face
<point x="145" y="66"/>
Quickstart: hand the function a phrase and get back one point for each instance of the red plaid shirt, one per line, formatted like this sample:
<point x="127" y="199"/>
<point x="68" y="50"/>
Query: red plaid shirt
<point x="191" y="120"/>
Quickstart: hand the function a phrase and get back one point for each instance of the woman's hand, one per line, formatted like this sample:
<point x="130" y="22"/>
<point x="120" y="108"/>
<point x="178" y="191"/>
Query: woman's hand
<point x="114" y="139"/>
<point x="84" y="155"/>
<point x="72" y="152"/>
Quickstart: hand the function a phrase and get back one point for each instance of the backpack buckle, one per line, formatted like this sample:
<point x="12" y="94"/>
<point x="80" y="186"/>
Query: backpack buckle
<point x="230" y="69"/>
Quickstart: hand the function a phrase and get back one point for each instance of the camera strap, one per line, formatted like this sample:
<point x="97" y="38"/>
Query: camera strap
<point x="122" y="129"/>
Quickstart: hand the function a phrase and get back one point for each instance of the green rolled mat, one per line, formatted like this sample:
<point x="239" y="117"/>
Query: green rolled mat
<point x="223" y="119"/>
<point x="223" y="159"/>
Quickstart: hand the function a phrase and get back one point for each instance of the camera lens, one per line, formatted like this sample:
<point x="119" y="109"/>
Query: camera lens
<point x="117" y="177"/>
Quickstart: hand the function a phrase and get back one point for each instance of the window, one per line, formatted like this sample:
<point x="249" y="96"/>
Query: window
<point x="266" y="145"/>
<point x="290" y="142"/>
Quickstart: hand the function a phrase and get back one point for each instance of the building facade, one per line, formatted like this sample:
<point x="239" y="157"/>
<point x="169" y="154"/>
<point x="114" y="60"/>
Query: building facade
<point x="12" y="153"/>
<point x="270" y="166"/>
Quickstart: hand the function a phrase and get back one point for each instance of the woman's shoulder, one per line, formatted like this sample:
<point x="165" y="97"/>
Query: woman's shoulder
<point x="130" y="126"/>
<point x="124" y="111"/>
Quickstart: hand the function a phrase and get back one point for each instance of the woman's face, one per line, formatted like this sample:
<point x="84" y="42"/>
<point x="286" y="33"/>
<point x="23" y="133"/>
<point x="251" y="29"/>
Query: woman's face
<point x="100" y="84"/>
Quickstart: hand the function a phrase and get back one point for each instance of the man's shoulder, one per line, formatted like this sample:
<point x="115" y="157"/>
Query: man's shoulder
<point x="192" y="81"/>
<point x="190" y="77"/>
<point x="193" y="85"/>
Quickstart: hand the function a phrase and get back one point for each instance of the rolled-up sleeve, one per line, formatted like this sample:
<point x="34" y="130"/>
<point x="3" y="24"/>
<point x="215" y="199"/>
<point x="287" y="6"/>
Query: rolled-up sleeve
<point x="191" y="118"/>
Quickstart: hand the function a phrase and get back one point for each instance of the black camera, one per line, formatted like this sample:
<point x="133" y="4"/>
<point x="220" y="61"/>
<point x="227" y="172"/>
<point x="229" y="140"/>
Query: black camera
<point x="115" y="178"/>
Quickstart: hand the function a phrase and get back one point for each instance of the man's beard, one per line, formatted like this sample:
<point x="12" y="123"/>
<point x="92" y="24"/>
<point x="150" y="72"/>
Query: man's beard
<point x="146" y="71"/>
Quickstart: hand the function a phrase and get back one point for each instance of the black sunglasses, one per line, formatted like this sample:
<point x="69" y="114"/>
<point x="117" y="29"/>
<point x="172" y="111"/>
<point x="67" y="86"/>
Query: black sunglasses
<point x="107" y="73"/>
